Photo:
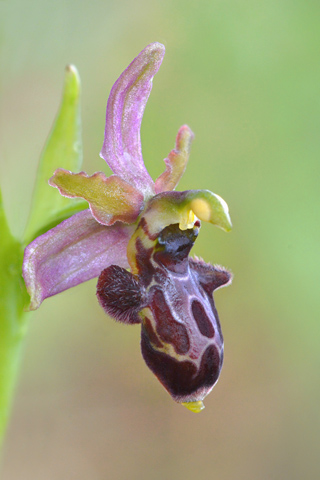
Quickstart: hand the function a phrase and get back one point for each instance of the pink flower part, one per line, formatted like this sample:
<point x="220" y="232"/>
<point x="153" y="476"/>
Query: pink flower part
<point x="122" y="145"/>
<point x="176" y="161"/>
<point x="73" y="252"/>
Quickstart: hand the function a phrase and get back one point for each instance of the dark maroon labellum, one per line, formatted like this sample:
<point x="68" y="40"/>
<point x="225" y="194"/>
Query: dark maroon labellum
<point x="172" y="297"/>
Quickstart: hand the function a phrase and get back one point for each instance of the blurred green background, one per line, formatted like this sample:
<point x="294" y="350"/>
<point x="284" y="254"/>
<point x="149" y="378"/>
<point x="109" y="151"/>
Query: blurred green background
<point x="245" y="76"/>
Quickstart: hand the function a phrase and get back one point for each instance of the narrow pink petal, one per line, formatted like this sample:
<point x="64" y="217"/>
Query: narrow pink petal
<point x="176" y="161"/>
<point x="73" y="252"/>
<point x="122" y="146"/>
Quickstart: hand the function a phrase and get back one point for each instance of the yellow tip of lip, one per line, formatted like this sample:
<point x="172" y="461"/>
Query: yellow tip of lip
<point x="194" y="406"/>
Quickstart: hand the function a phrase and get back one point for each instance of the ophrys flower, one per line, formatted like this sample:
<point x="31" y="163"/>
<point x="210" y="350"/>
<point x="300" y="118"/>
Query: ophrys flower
<point x="143" y="225"/>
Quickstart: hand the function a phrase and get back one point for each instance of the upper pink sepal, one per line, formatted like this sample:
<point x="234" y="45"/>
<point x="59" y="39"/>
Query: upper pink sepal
<point x="73" y="252"/>
<point x="176" y="161"/>
<point x="122" y="146"/>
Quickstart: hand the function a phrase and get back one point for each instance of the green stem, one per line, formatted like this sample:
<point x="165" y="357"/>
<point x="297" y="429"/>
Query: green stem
<point x="12" y="328"/>
<point x="13" y="299"/>
<point x="10" y="355"/>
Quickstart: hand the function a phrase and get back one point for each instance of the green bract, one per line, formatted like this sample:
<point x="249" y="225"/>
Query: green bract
<point x="48" y="209"/>
<point x="64" y="147"/>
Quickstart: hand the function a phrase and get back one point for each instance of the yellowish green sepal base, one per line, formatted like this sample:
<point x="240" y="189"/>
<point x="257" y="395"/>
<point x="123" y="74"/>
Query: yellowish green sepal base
<point x="196" y="407"/>
<point x="185" y="208"/>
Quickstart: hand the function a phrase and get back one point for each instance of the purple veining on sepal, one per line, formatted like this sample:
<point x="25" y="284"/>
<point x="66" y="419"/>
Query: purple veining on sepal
<point x="122" y="146"/>
<point x="73" y="252"/>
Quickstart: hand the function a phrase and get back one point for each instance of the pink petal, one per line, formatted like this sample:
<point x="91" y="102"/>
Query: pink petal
<point x="176" y="161"/>
<point x="122" y="146"/>
<point x="73" y="252"/>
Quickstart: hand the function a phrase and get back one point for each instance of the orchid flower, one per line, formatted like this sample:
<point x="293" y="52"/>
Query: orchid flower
<point x="136" y="236"/>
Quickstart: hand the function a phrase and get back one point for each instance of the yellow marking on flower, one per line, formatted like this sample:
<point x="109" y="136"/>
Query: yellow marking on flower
<point x="147" y="243"/>
<point x="196" y="407"/>
<point x="202" y="209"/>
<point x="210" y="207"/>
<point x="187" y="220"/>
<point x="169" y="350"/>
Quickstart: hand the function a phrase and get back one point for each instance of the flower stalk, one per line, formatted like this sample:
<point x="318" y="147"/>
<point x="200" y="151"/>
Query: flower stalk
<point x="13" y="299"/>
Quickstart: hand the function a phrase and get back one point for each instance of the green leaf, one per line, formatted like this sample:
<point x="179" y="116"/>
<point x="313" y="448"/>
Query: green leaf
<point x="5" y="236"/>
<point x="63" y="149"/>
